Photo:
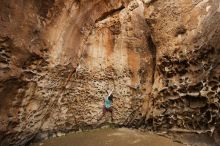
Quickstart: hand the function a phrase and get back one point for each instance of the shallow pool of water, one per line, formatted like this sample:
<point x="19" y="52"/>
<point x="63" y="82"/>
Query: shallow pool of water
<point x="109" y="137"/>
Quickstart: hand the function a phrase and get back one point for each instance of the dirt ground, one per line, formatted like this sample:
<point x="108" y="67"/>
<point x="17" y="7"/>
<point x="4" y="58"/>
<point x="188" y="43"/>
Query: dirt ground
<point x="109" y="137"/>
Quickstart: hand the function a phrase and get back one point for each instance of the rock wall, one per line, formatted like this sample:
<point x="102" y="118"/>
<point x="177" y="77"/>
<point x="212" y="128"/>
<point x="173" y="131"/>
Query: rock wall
<point x="59" y="58"/>
<point x="186" y="86"/>
<point x="185" y="95"/>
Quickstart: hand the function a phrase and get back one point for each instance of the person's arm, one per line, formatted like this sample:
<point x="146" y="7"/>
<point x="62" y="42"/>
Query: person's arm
<point x="104" y="98"/>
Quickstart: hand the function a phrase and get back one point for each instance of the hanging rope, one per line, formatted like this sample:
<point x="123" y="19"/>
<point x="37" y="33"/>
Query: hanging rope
<point x="51" y="106"/>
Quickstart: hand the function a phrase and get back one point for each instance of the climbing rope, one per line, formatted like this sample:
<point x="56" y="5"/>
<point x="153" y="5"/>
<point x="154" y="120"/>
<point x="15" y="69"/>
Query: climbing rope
<point x="51" y="106"/>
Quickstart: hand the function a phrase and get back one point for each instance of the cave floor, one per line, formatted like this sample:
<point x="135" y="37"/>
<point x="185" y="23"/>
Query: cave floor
<point x="109" y="137"/>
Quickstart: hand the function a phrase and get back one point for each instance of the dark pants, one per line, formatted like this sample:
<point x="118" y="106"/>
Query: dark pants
<point x="105" y="110"/>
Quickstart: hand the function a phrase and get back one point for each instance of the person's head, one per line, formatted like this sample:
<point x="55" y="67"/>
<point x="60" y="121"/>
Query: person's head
<point x="111" y="97"/>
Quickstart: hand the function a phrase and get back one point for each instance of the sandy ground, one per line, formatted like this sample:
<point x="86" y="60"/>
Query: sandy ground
<point x="109" y="137"/>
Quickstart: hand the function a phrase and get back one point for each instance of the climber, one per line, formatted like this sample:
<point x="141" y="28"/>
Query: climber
<point x="107" y="107"/>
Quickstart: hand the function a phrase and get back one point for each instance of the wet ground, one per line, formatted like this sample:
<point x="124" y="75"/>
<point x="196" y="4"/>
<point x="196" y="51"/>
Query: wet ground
<point x="109" y="137"/>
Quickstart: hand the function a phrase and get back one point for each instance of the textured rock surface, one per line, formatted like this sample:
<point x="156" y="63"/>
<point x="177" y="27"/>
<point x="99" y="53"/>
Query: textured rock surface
<point x="59" y="57"/>
<point x="186" y="86"/>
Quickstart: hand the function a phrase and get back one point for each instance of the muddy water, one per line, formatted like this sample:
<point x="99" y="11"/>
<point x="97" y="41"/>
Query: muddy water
<point x="109" y="137"/>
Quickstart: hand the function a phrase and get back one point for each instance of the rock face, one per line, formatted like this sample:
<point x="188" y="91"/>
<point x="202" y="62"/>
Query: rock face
<point x="59" y="57"/>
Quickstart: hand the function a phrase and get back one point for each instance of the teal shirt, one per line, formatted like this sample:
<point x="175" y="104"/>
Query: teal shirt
<point x="107" y="103"/>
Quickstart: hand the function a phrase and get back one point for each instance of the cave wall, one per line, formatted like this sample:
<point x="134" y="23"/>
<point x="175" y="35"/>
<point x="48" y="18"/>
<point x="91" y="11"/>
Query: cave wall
<point x="185" y="95"/>
<point x="58" y="59"/>
<point x="186" y="86"/>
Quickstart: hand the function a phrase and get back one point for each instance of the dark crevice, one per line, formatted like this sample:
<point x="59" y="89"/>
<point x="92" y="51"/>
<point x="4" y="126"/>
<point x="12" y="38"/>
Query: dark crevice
<point x="152" y="1"/>
<point x="44" y="6"/>
<point x="109" y="13"/>
<point x="153" y="51"/>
